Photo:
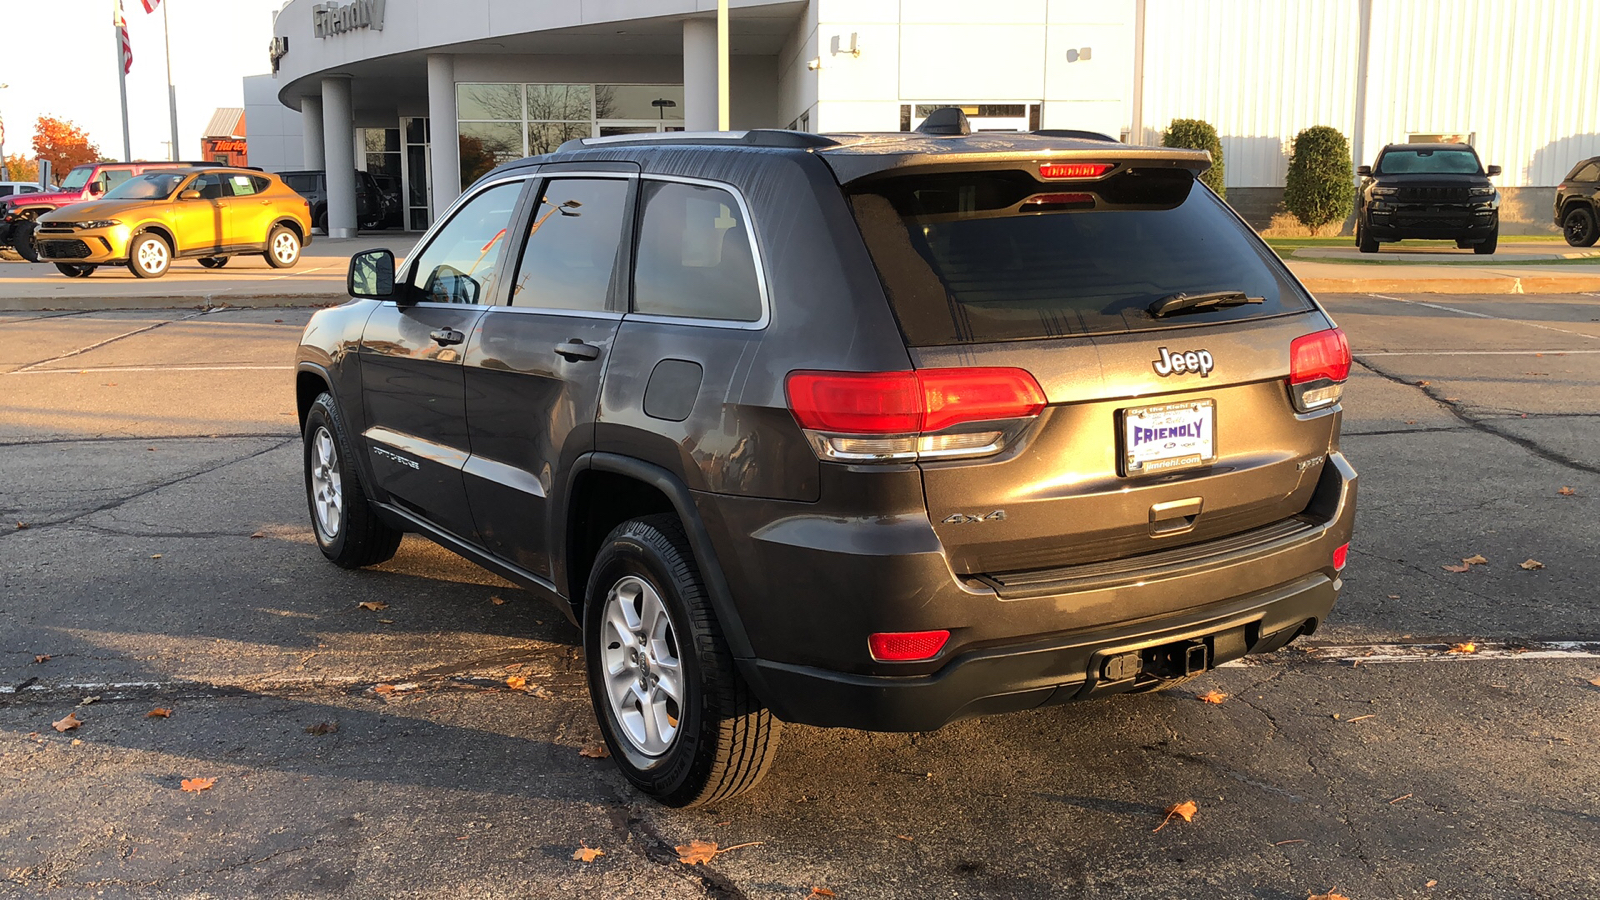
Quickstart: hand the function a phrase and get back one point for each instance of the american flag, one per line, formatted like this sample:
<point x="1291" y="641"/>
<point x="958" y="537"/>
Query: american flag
<point x="122" y="32"/>
<point x="150" y="5"/>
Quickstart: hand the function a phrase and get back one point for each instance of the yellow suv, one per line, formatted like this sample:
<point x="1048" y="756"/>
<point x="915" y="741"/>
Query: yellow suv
<point x="206" y="214"/>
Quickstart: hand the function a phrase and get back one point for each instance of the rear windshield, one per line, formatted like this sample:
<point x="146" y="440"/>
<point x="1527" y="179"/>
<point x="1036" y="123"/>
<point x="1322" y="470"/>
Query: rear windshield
<point x="975" y="257"/>
<point x="1428" y="162"/>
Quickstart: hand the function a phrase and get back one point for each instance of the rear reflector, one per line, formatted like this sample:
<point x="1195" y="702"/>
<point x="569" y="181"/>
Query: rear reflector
<point x="1073" y="170"/>
<point x="1319" y="363"/>
<point x="1341" y="555"/>
<point x="898" y="403"/>
<point x="906" y="646"/>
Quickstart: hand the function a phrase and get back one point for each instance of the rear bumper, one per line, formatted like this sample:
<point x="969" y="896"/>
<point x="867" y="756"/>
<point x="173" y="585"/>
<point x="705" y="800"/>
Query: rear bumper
<point x="1041" y="673"/>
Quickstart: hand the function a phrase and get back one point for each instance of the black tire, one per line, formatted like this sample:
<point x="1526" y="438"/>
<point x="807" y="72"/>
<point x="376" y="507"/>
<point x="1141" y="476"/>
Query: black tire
<point x="213" y="262"/>
<point x="74" y="270"/>
<point x="1365" y="243"/>
<point x="149" y="255"/>
<point x="725" y="741"/>
<point x="22" y="240"/>
<point x="354" y="536"/>
<point x="1578" y="227"/>
<point x="322" y="221"/>
<point x="1487" y="245"/>
<point x="283" y="247"/>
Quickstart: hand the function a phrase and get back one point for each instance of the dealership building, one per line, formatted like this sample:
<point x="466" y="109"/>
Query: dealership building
<point x="436" y="92"/>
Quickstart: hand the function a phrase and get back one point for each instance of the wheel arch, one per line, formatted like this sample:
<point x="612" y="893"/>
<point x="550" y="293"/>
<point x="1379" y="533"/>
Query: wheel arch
<point x="607" y="489"/>
<point x="291" y="223"/>
<point x="310" y="382"/>
<point x="154" y="228"/>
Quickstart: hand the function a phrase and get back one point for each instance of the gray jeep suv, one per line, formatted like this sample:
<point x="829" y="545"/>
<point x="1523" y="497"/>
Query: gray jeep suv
<point x="877" y="431"/>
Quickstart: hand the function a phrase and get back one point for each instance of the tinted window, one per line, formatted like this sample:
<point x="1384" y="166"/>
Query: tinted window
<point x="1591" y="172"/>
<point x="242" y="185"/>
<point x="975" y="257"/>
<point x="5" y="190"/>
<point x="209" y="185"/>
<point x="1428" y="162"/>
<point x="459" y="265"/>
<point x="695" y="257"/>
<point x="572" y="245"/>
<point x="115" y="177"/>
<point x="305" y="183"/>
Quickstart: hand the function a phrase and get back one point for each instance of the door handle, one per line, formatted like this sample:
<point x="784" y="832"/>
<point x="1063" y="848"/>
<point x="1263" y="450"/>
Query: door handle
<point x="575" y="350"/>
<point x="446" y="336"/>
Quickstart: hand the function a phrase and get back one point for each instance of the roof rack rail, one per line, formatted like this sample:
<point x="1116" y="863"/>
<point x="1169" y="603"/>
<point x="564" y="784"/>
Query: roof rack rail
<point x="1075" y="134"/>
<point x="755" y="137"/>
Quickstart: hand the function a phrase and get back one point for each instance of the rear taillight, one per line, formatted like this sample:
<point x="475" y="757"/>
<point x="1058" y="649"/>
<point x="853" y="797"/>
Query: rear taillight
<point x="924" y="414"/>
<point x="1341" y="555"/>
<point x="906" y="646"/>
<point x="1319" y="363"/>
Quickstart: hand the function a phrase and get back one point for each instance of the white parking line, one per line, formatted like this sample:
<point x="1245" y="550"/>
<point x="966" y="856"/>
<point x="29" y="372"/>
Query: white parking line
<point x="98" y="369"/>
<point x="1479" y="315"/>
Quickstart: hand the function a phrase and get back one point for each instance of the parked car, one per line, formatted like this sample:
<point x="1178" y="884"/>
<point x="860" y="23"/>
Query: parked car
<point x="19" y="213"/>
<point x="869" y="431"/>
<point x="206" y="214"/>
<point x="10" y="188"/>
<point x="1428" y="191"/>
<point x="312" y="184"/>
<point x="1577" y="200"/>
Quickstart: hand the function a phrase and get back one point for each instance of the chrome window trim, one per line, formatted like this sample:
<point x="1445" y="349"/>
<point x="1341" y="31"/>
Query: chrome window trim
<point x="755" y="253"/>
<point x="627" y="236"/>
<point x="404" y="275"/>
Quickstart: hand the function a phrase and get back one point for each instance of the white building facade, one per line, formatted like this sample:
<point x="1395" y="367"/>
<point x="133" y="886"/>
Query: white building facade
<point x="435" y="92"/>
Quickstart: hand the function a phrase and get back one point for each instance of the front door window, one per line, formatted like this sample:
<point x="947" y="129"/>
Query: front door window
<point x="459" y="264"/>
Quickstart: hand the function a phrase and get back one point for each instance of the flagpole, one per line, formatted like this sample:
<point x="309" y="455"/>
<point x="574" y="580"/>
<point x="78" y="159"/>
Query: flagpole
<point x="172" y="92"/>
<point x="118" y="23"/>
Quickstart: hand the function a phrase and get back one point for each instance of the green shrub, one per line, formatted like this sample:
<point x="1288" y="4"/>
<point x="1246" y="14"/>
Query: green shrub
<point x="1318" y="190"/>
<point x="1196" y="134"/>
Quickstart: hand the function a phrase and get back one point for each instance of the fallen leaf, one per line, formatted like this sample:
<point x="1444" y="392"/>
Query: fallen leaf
<point x="1475" y="559"/>
<point x="516" y="682"/>
<point x="594" y="750"/>
<point x="1565" y="492"/>
<point x="1330" y="895"/>
<point x="1212" y="697"/>
<point x="1461" y="568"/>
<point x="159" y="713"/>
<point x="383" y="688"/>
<point x="1431" y="882"/>
<point x="372" y="605"/>
<point x="1424" y="383"/>
<point x="1530" y="564"/>
<point x="1186" y="810"/>
<point x="322" y="728"/>
<point x="822" y="892"/>
<point x="42" y="658"/>
<point x="1595" y="682"/>
<point x="259" y="534"/>
<point x="88" y="700"/>
<point x="155" y="556"/>
<point x="696" y="852"/>
<point x="385" y="621"/>
<point x="587" y="854"/>
<point x="23" y="526"/>
<point x="904" y="837"/>
<point x="196" y="785"/>
<point x="497" y="601"/>
<point x="1463" y="647"/>
<point x="1394" y="596"/>
<point x="77" y="742"/>
<point x="70" y="722"/>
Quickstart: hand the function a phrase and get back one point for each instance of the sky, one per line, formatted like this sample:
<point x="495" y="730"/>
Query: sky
<point x="60" y="59"/>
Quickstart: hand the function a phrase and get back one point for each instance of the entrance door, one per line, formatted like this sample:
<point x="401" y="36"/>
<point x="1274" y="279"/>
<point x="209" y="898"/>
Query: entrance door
<point x="416" y="171"/>
<point x="411" y="361"/>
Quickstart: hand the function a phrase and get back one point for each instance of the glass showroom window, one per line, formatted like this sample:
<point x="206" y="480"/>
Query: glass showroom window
<point x="558" y="113"/>
<point x="491" y="127"/>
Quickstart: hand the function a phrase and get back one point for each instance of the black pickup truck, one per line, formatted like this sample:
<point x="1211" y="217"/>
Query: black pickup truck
<point x="1428" y="191"/>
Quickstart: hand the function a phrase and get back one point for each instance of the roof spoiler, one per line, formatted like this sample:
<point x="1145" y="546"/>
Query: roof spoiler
<point x="755" y="137"/>
<point x="1075" y="134"/>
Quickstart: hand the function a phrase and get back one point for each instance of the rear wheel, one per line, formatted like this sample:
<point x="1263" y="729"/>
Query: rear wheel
<point x="1364" y="241"/>
<point x="283" y="247"/>
<point x="347" y="528"/>
<point x="1578" y="227"/>
<point x="73" y="270"/>
<point x="149" y="257"/>
<point x="1487" y="245"/>
<point x="213" y="262"/>
<point x="681" y="723"/>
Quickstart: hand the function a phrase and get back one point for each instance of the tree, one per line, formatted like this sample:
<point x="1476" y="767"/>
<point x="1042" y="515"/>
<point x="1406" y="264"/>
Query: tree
<point x="63" y="143"/>
<point x="22" y="168"/>
<point x="1197" y="134"/>
<point x="1318" y="190"/>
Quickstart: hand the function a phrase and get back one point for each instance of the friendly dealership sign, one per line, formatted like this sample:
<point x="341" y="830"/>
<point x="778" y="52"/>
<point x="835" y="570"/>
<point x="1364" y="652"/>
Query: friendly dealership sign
<point x="328" y="19"/>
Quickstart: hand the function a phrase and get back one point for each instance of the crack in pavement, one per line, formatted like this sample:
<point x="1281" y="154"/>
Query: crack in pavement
<point x="110" y="340"/>
<point x="628" y="820"/>
<point x="1455" y="409"/>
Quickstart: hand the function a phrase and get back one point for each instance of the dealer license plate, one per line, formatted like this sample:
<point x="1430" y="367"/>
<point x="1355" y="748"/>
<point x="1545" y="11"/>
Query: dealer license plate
<point x="1170" y="436"/>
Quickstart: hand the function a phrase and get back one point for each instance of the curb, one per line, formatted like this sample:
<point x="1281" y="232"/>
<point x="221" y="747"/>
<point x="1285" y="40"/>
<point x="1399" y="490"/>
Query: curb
<point x="222" y="301"/>
<point x="1498" y="284"/>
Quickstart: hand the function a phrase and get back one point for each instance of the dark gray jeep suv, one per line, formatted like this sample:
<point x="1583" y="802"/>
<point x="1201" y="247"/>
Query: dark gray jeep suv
<point x="873" y="431"/>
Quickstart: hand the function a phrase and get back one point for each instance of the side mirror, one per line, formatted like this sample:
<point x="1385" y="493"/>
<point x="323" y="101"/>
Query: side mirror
<point x="189" y="195"/>
<point x="1492" y="171"/>
<point x="96" y="188"/>
<point x="1364" y="171"/>
<point x="372" y="275"/>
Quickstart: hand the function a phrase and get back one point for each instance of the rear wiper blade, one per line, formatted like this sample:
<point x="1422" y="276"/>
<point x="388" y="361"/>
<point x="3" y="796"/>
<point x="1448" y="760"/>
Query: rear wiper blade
<point x="1179" y="302"/>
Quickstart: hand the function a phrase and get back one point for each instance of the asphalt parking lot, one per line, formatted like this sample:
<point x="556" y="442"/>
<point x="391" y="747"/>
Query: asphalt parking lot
<point x="166" y="563"/>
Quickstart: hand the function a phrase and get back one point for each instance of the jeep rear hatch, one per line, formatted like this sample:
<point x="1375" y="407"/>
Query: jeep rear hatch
<point x="1157" y="329"/>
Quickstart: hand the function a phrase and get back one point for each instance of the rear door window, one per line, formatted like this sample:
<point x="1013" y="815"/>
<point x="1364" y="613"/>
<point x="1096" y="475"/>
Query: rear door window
<point x="977" y="257"/>
<point x="696" y="257"/>
<point x="574" y="239"/>
<point x="301" y="184"/>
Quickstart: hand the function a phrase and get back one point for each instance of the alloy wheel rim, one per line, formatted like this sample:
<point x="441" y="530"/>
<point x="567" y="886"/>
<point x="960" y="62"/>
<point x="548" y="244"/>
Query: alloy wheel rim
<point x="283" y="246"/>
<point x="642" y="669"/>
<point x="1577" y="228"/>
<point x="152" y="256"/>
<point x="327" y="495"/>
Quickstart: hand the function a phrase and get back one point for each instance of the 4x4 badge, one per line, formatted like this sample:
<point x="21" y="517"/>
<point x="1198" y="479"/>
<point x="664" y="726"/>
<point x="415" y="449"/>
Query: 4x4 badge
<point x="1187" y="361"/>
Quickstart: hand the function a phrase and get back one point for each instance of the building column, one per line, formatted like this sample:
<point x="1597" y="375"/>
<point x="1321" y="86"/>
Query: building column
<point x="444" y="148"/>
<point x="339" y="149"/>
<point x="311" y="132"/>
<point x="700" y="74"/>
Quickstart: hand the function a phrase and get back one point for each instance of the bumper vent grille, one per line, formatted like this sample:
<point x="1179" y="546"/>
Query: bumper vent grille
<point x="64" y="249"/>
